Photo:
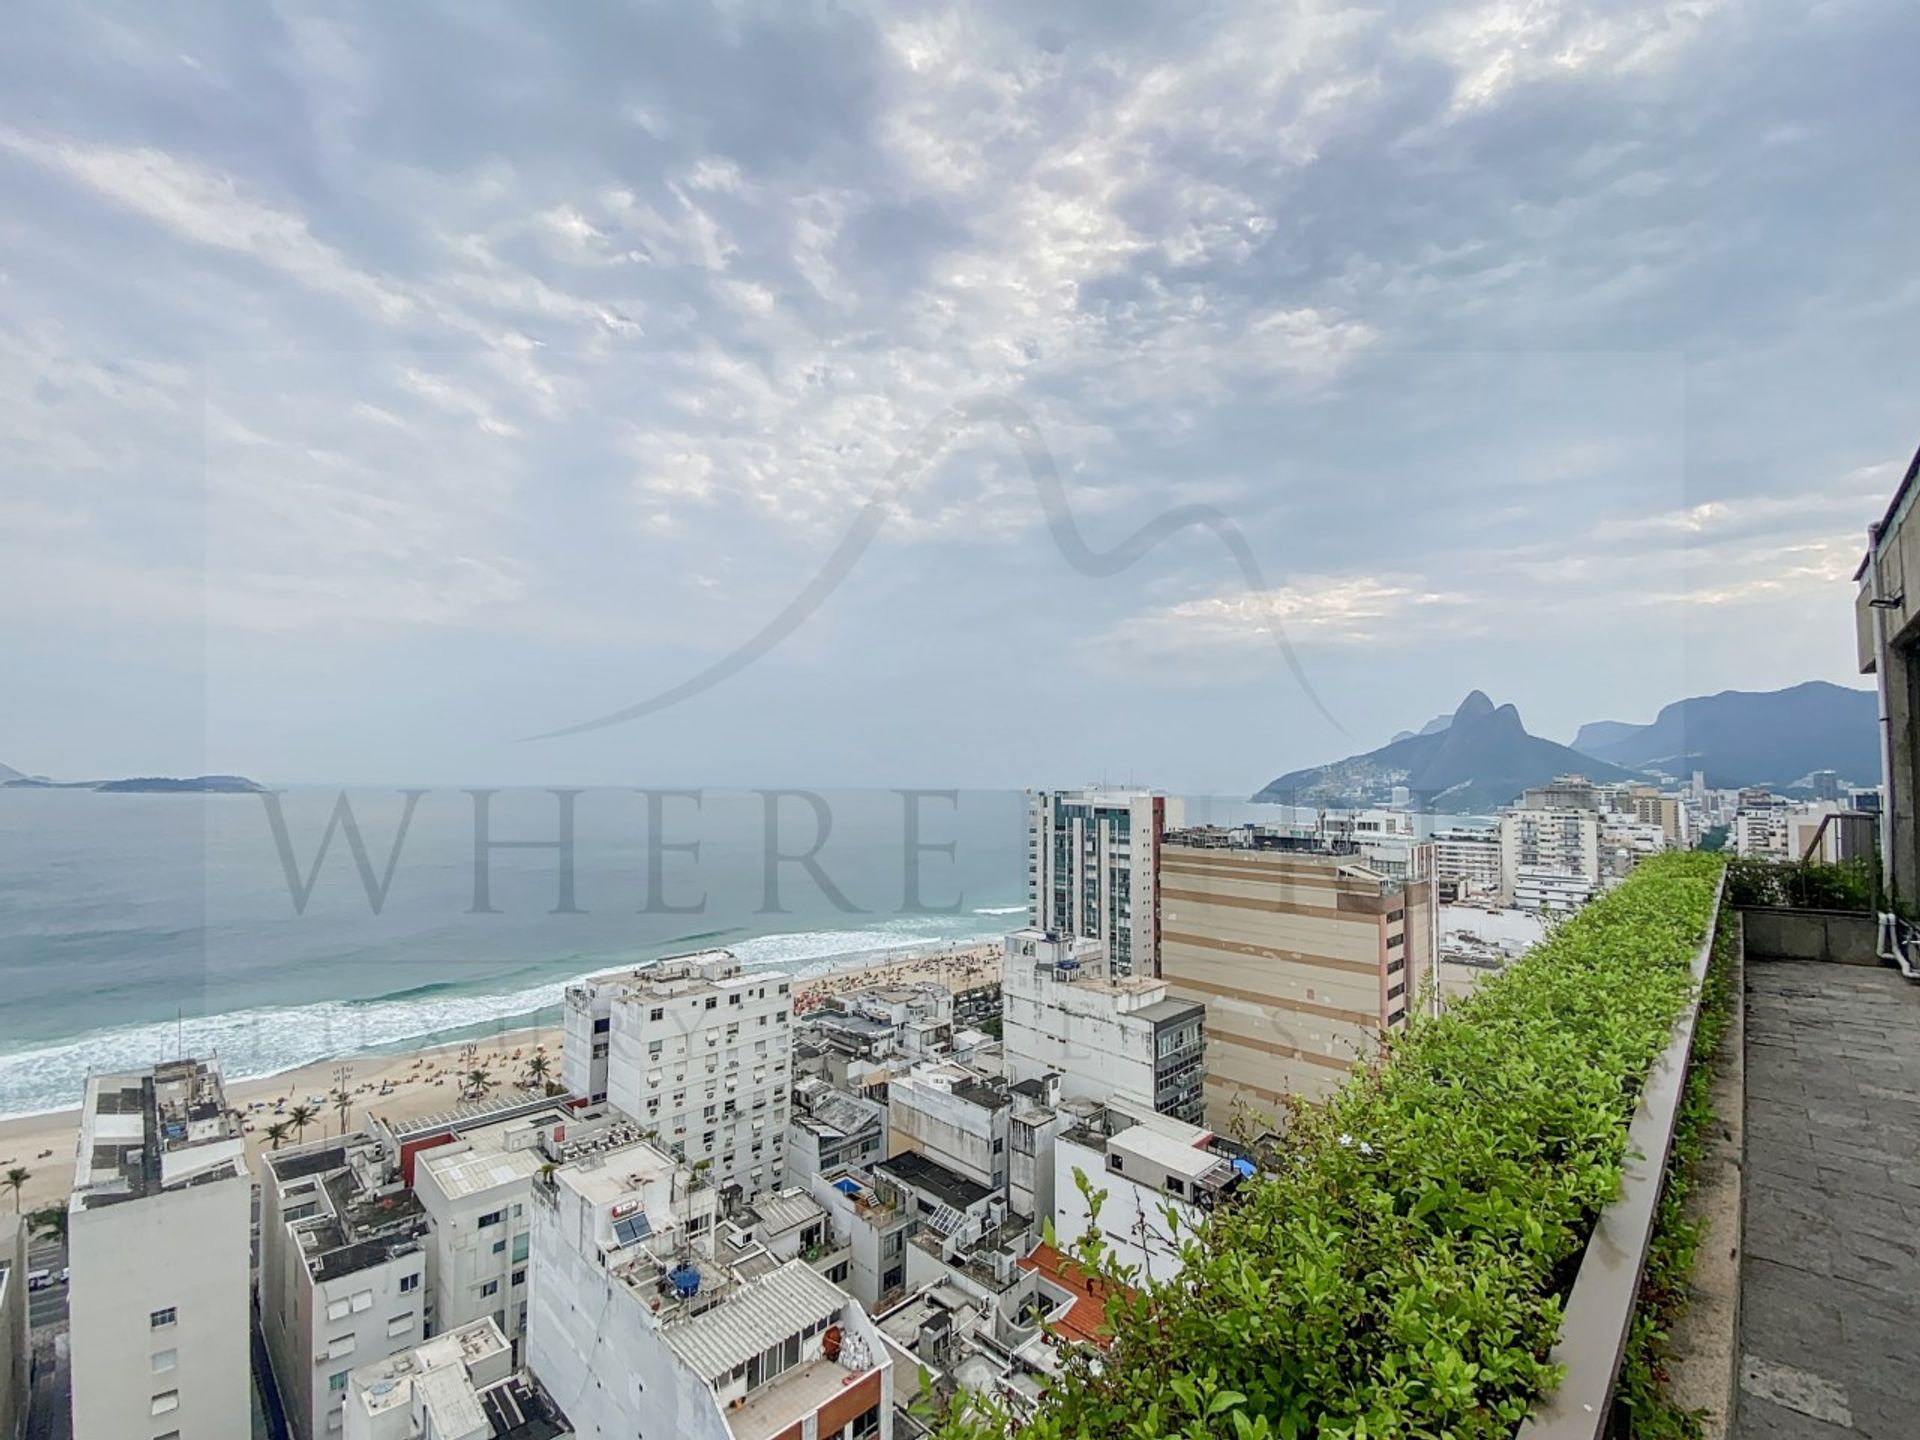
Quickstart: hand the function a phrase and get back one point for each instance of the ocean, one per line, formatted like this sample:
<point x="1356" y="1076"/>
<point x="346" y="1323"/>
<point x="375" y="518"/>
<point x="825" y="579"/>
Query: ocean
<point x="138" y="927"/>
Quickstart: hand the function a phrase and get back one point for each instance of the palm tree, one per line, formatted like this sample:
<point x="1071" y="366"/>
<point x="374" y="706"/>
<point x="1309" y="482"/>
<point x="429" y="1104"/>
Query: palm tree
<point x="538" y="1068"/>
<point x="478" y="1080"/>
<point x="16" y="1179"/>
<point x="300" y="1117"/>
<point x="278" y="1131"/>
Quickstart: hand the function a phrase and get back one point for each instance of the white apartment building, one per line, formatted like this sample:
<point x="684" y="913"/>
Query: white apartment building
<point x="14" y="1336"/>
<point x="1093" y="864"/>
<point x="457" y="1386"/>
<point x="1539" y="892"/>
<point x="158" y="1251"/>
<point x="1760" y="828"/>
<point x="1147" y="1164"/>
<point x="637" y="1331"/>
<point x="1538" y="845"/>
<point x="1468" y="858"/>
<point x="871" y="1221"/>
<point x="698" y="1052"/>
<point x="1104" y="1035"/>
<point x="951" y="1114"/>
<point x="475" y="1192"/>
<point x="830" y="1128"/>
<point x="343" y="1262"/>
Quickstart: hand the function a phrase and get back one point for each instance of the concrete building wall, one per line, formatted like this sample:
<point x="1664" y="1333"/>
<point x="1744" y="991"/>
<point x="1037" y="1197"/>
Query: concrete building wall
<point x="1132" y="1216"/>
<point x="479" y="1249"/>
<point x="159" y="1314"/>
<point x="1300" y="967"/>
<point x="14" y="1338"/>
<point x="1092" y="862"/>
<point x="1890" y="572"/>
<point x="933" y="1121"/>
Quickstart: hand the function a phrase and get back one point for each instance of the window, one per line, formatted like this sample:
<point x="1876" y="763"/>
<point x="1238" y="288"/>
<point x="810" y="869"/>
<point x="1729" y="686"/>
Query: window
<point x="492" y="1217"/>
<point x="733" y="999"/>
<point x="657" y="1013"/>
<point x="1396" y="992"/>
<point x="399" y="1325"/>
<point x="362" y="1300"/>
<point x="166" y="1402"/>
<point x="601" y="1025"/>
<point x="170" y="1435"/>
<point x="499" y="1247"/>
<point x="713" y="1002"/>
<point x="159" y="1319"/>
<point x="998" y="1145"/>
<point x="520" y="1247"/>
<point x="492" y="1287"/>
<point x="337" y="1383"/>
<point x="340" y="1345"/>
<point x="165" y="1360"/>
<point x="409" y="1283"/>
<point x="520" y="1277"/>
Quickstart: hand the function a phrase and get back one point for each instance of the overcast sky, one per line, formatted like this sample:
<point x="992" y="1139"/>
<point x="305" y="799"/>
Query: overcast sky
<point x="382" y="385"/>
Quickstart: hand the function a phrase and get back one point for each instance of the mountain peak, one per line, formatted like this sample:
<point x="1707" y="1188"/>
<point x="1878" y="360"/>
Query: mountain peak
<point x="1475" y="707"/>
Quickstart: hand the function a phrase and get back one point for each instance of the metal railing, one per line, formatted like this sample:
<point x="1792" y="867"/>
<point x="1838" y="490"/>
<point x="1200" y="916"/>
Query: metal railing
<point x="1606" y="1289"/>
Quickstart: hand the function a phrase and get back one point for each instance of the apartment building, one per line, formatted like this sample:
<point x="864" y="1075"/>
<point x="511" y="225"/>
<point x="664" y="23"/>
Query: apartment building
<point x="343" y="1268"/>
<point x="830" y="1128"/>
<point x="1303" y="957"/>
<point x="1104" y="1035"/>
<point x="695" y="1049"/>
<point x="158" y="1253"/>
<point x="1549" y="851"/>
<point x="1150" y="1165"/>
<point x="1092" y="862"/>
<point x="15" y="1341"/>
<point x="955" y="1116"/>
<point x="460" y="1385"/>
<point x="475" y="1191"/>
<point x="638" y="1330"/>
<point x="869" y="1217"/>
<point x="1468" y="860"/>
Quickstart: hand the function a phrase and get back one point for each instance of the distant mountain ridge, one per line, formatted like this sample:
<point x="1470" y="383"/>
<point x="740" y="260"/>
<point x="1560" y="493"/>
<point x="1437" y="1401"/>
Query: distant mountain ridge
<point x="1751" y="737"/>
<point x="1481" y="758"/>
<point x="139" y="785"/>
<point x="7" y="772"/>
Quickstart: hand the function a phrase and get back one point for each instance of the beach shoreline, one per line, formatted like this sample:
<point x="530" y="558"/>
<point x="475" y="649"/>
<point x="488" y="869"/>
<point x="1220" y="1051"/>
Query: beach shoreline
<point x="402" y="1084"/>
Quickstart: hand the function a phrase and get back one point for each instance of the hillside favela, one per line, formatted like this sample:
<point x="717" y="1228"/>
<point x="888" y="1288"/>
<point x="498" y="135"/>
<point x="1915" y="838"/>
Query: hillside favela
<point x="960" y="721"/>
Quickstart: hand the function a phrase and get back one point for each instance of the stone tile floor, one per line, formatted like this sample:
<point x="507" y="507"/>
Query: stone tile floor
<point x="1830" y="1278"/>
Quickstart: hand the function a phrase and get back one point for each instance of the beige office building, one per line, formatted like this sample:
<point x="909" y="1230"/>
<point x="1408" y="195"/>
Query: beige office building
<point x="1303" y="959"/>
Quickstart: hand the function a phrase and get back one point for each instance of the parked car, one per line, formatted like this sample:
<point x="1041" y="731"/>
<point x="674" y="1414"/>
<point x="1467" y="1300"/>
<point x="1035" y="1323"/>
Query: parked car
<point x="39" y="1279"/>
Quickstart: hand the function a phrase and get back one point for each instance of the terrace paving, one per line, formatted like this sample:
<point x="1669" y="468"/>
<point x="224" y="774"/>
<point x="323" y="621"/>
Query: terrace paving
<point x="1830" y="1274"/>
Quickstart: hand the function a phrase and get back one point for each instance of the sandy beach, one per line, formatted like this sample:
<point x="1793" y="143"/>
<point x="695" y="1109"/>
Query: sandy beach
<point x="403" y="1085"/>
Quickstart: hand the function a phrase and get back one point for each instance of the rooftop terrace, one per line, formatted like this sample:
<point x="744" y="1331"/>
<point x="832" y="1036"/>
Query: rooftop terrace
<point x="1830" y="1271"/>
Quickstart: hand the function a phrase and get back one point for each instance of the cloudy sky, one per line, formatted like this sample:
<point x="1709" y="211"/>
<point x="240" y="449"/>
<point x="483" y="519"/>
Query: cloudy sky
<point x="380" y="386"/>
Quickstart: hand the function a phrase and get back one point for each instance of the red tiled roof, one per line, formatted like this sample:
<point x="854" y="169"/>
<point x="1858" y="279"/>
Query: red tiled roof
<point x="1086" y="1318"/>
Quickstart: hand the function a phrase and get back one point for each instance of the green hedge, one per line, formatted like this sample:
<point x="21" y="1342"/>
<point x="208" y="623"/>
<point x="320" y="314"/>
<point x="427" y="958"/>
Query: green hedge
<point x="1803" y="884"/>
<point x="1398" y="1270"/>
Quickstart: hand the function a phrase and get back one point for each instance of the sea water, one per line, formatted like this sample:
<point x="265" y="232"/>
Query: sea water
<point x="138" y="927"/>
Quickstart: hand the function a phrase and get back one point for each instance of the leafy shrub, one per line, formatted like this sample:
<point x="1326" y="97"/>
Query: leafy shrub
<point x="1397" y="1270"/>
<point x="1802" y="884"/>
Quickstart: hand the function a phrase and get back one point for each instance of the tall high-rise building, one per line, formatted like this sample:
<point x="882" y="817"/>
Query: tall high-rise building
<point x="695" y="1050"/>
<point x="1304" y="957"/>
<point x="1093" y="860"/>
<point x="159" y="1246"/>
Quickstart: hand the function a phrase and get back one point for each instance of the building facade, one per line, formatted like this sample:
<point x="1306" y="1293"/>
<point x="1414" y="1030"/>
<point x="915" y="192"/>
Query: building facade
<point x="1302" y="958"/>
<point x="638" y="1330"/>
<point x="695" y="1050"/>
<point x="1104" y="1035"/>
<point x="343" y="1270"/>
<point x="1092" y="866"/>
<point x="1543" y="850"/>
<point x="158" y="1252"/>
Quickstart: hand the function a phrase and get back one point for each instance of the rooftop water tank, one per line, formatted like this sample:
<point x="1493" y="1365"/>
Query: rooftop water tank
<point x="685" y="1281"/>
